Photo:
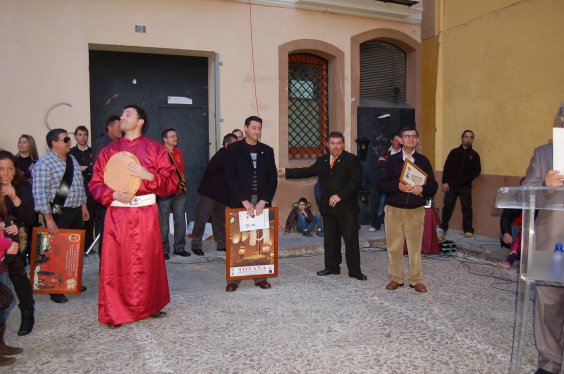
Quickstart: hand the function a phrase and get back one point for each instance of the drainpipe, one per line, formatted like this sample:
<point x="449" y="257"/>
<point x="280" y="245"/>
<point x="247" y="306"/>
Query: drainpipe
<point x="216" y="65"/>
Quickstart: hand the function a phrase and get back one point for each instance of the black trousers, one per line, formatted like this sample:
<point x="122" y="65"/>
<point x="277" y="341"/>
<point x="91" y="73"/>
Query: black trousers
<point x="465" y="195"/>
<point x="89" y="225"/>
<point x="20" y="281"/>
<point x="100" y="217"/>
<point x="70" y="218"/>
<point x="345" y="225"/>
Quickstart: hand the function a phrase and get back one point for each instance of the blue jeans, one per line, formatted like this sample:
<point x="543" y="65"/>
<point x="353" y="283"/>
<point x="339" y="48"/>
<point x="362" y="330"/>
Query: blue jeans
<point x="377" y="203"/>
<point x="5" y="280"/>
<point x="175" y="204"/>
<point x="309" y="226"/>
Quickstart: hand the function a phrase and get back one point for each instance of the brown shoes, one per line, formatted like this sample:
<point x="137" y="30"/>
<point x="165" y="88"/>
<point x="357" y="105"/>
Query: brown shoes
<point x="263" y="284"/>
<point x="393" y="285"/>
<point x="419" y="287"/>
<point x="231" y="287"/>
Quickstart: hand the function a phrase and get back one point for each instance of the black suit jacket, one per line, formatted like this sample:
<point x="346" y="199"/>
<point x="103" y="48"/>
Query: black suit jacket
<point x="213" y="182"/>
<point x="239" y="171"/>
<point x="344" y="180"/>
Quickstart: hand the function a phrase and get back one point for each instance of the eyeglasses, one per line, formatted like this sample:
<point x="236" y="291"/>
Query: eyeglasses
<point x="66" y="139"/>
<point x="409" y="136"/>
<point x="172" y="137"/>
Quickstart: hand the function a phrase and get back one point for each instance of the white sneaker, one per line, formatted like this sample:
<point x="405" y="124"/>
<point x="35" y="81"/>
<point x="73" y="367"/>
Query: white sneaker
<point x="372" y="229"/>
<point x="440" y="234"/>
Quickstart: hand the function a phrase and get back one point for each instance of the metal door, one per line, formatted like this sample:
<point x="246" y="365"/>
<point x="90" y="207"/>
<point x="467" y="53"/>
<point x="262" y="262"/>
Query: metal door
<point x="172" y="89"/>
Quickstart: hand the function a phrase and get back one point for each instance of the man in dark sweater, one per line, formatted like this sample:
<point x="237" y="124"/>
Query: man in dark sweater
<point x="83" y="154"/>
<point x="462" y="166"/>
<point x="340" y="176"/>
<point x="404" y="211"/>
<point x="213" y="197"/>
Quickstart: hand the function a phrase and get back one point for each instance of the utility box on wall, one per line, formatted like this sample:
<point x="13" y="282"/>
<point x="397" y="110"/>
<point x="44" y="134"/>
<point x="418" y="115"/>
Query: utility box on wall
<point x="377" y="122"/>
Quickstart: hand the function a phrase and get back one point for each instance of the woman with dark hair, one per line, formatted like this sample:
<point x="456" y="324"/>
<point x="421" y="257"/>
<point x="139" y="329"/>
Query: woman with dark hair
<point x="18" y="200"/>
<point x="8" y="247"/>
<point x="27" y="156"/>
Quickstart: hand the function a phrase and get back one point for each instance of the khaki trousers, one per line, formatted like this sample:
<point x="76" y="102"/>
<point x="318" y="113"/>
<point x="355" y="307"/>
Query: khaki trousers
<point x="404" y="225"/>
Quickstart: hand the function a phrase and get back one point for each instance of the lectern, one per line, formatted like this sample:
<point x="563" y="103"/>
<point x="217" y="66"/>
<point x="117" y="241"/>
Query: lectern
<point x="538" y="265"/>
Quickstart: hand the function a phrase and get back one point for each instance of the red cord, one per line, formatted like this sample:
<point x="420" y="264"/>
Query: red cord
<point x="253" y="56"/>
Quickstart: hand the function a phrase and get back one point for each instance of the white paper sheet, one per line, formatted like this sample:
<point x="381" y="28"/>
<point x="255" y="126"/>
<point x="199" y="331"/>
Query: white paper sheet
<point x="558" y="149"/>
<point x="253" y="223"/>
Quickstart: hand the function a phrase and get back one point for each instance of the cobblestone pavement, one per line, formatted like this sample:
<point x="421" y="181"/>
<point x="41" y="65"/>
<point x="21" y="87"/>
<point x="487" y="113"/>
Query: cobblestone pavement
<point x="304" y="324"/>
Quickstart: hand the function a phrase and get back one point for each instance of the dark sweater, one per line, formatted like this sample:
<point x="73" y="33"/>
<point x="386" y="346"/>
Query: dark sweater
<point x="213" y="183"/>
<point x="389" y="182"/>
<point x="462" y="166"/>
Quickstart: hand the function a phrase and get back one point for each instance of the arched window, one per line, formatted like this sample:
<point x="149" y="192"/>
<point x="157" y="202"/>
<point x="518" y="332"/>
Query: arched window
<point x="308" y="106"/>
<point x="382" y="72"/>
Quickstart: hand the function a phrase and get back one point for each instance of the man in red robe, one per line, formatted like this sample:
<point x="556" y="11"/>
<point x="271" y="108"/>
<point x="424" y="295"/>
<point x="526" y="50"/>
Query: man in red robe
<point x="133" y="280"/>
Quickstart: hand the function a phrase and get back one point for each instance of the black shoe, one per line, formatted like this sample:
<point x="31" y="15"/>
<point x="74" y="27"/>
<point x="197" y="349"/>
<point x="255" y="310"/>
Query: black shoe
<point x="198" y="251"/>
<point x="359" y="276"/>
<point x="320" y="233"/>
<point x="28" y="320"/>
<point x="182" y="253"/>
<point x="167" y="257"/>
<point x="307" y="233"/>
<point x="83" y="288"/>
<point x="160" y="314"/>
<point x="328" y="272"/>
<point x="59" y="298"/>
<point x="542" y="371"/>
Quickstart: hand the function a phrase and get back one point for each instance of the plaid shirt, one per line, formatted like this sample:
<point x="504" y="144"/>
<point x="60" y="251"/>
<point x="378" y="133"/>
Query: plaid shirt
<point x="47" y="175"/>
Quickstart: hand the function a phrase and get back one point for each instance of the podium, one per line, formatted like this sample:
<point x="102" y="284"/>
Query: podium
<point x="538" y="265"/>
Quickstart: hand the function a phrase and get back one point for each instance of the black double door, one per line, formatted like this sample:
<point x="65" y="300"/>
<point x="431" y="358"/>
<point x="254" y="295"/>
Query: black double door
<point x="173" y="90"/>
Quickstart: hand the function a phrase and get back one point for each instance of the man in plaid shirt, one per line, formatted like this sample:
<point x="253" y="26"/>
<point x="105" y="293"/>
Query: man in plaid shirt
<point x="47" y="176"/>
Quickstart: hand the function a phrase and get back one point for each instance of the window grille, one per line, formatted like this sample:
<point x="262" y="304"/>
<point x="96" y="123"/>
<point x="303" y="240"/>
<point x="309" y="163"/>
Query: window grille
<point x="308" y="105"/>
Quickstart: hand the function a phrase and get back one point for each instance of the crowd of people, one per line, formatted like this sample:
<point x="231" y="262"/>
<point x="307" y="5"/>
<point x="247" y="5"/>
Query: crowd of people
<point x="66" y="188"/>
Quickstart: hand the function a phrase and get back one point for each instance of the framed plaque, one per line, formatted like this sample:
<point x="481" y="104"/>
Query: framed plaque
<point x="56" y="261"/>
<point x="251" y="252"/>
<point x="412" y="174"/>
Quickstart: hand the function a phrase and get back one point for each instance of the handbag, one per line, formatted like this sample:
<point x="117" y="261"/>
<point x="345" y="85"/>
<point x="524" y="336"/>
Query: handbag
<point x="6" y="296"/>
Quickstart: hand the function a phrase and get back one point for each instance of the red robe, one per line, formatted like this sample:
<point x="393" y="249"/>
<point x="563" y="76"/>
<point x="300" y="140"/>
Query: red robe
<point x="133" y="279"/>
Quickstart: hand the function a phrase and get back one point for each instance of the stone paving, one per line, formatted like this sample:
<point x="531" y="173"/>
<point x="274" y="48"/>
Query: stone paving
<point x="304" y="324"/>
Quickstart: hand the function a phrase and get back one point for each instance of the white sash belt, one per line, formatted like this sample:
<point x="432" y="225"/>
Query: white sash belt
<point x="137" y="201"/>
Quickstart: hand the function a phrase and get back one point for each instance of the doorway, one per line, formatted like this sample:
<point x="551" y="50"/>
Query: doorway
<point x="172" y="89"/>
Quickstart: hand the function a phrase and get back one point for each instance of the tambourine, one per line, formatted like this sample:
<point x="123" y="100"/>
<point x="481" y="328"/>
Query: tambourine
<point x="117" y="175"/>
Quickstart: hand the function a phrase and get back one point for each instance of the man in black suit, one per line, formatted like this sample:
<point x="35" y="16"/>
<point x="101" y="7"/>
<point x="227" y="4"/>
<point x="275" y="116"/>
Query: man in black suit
<point x="340" y="176"/>
<point x="213" y="196"/>
<point x="250" y="173"/>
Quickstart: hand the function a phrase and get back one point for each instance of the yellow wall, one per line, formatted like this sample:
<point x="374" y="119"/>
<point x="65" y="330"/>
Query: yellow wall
<point x="45" y="47"/>
<point x="502" y="76"/>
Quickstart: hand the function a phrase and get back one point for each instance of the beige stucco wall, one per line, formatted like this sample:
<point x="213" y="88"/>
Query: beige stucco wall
<point x="499" y="72"/>
<point x="502" y="77"/>
<point x="45" y="54"/>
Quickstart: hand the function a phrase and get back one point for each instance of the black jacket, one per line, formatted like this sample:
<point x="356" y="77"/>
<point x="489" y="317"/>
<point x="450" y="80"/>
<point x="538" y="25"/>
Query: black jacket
<point x="462" y="166"/>
<point x="344" y="180"/>
<point x="239" y="171"/>
<point x="213" y="183"/>
<point x="389" y="182"/>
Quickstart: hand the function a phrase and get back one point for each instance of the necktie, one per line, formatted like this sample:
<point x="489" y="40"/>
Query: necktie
<point x="333" y="162"/>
